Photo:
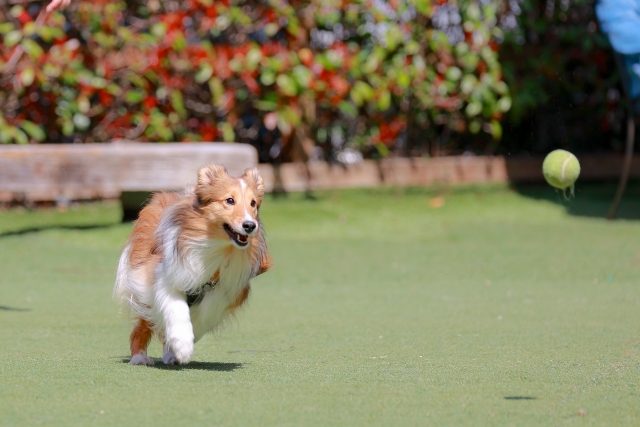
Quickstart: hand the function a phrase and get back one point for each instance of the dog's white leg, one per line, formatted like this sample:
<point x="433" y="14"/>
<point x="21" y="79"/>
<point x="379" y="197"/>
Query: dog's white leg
<point x="174" y="311"/>
<point x="168" y="357"/>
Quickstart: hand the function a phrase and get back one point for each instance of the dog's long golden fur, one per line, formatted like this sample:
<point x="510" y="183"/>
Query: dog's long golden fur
<point x="189" y="259"/>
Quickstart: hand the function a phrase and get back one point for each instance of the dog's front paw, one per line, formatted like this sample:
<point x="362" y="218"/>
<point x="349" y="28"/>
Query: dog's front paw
<point x="141" y="359"/>
<point x="182" y="350"/>
<point x="168" y="358"/>
<point x="180" y="345"/>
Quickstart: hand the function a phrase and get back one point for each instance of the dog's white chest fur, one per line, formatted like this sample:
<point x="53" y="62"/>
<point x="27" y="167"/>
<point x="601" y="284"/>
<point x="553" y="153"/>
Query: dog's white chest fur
<point x="234" y="274"/>
<point x="197" y="266"/>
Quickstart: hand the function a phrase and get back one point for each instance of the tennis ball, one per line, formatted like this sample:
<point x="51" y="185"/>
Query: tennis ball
<point x="561" y="169"/>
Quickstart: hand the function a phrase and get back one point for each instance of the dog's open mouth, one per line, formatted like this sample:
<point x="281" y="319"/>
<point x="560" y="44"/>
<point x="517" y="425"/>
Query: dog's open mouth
<point x="239" y="239"/>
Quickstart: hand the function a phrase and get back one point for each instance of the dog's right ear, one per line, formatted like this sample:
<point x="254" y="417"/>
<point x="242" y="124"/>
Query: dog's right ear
<point x="209" y="174"/>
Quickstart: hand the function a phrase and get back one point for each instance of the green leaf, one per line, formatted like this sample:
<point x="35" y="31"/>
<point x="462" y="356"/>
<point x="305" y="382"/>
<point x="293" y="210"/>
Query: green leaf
<point x="16" y="11"/>
<point x="105" y="40"/>
<point x="383" y="150"/>
<point x="29" y="29"/>
<point x="81" y="121"/>
<point x="348" y="108"/>
<point x="384" y="102"/>
<point x="137" y="80"/>
<point x="501" y="87"/>
<point x="271" y="29"/>
<point x="423" y="7"/>
<point x="504" y="104"/>
<point x="113" y="89"/>
<point x="412" y="47"/>
<point x="287" y="85"/>
<point x="253" y="58"/>
<point x="267" y="78"/>
<point x="134" y="96"/>
<point x="495" y="129"/>
<point x="217" y="90"/>
<point x="473" y="109"/>
<point x="33" y="130"/>
<point x="6" y="27"/>
<point x="12" y="38"/>
<point x="473" y="12"/>
<point x="125" y="34"/>
<point x="302" y="75"/>
<point x="177" y="102"/>
<point x="461" y="48"/>
<point x="159" y="29"/>
<point x="468" y="83"/>
<point x="235" y="65"/>
<point x="403" y="80"/>
<point x="5" y="131"/>
<point x="364" y="89"/>
<point x="26" y="76"/>
<point x="330" y="60"/>
<point x="180" y="42"/>
<point x="372" y="63"/>
<point x="453" y="74"/>
<point x="32" y="48"/>
<point x="228" y="134"/>
<point x="264" y="105"/>
<point x="288" y="115"/>
<point x="98" y="82"/>
<point x="204" y="74"/>
<point x="48" y="34"/>
<point x="19" y="136"/>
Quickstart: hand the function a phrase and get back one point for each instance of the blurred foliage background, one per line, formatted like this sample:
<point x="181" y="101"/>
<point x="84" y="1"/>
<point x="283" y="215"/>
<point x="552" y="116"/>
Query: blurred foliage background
<point x="337" y="79"/>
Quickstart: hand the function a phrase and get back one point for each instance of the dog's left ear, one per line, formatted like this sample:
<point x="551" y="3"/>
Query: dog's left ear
<point x="253" y="178"/>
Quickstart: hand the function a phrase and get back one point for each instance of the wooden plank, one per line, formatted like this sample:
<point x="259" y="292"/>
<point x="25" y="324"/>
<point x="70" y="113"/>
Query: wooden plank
<point x="85" y="171"/>
<point x="391" y="172"/>
<point x="594" y="167"/>
<point x="442" y="170"/>
<point x="173" y="166"/>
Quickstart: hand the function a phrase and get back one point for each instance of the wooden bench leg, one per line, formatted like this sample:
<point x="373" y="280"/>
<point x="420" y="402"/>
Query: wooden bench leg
<point x="626" y="166"/>
<point x="132" y="203"/>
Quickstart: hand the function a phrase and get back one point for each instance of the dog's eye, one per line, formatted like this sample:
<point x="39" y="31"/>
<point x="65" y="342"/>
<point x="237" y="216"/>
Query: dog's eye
<point x="230" y="201"/>
<point x="253" y="203"/>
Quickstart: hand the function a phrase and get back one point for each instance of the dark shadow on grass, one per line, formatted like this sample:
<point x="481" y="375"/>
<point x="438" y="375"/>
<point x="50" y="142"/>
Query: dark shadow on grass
<point x="520" y="398"/>
<point x="55" y="227"/>
<point x="200" y="366"/>
<point x="194" y="366"/>
<point x="292" y="348"/>
<point x="590" y="199"/>
<point x="7" y="308"/>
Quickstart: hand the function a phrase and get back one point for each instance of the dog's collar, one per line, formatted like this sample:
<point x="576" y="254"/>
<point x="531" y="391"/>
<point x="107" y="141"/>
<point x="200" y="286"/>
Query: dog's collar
<point x="196" y="297"/>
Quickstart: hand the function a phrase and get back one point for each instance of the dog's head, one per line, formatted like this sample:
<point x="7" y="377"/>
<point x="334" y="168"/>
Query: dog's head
<point x="229" y="204"/>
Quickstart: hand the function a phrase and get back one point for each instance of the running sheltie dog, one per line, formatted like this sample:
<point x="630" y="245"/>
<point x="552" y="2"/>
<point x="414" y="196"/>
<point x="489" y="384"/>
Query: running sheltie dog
<point x="189" y="259"/>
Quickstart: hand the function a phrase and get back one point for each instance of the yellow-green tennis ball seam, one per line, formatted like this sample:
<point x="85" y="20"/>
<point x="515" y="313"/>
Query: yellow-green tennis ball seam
<point x="561" y="169"/>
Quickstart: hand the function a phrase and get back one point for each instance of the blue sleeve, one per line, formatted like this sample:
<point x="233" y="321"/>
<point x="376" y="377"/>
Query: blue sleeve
<point x="620" y="21"/>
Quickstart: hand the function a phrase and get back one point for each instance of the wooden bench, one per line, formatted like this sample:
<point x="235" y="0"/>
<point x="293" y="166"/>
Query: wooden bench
<point x="131" y="171"/>
<point x="439" y="171"/>
<point x="64" y="172"/>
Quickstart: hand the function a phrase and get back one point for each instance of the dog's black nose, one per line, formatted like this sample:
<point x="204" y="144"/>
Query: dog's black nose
<point x="249" y="226"/>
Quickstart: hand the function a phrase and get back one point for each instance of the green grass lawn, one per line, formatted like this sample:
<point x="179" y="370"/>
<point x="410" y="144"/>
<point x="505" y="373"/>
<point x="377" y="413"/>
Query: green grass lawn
<point x="498" y="308"/>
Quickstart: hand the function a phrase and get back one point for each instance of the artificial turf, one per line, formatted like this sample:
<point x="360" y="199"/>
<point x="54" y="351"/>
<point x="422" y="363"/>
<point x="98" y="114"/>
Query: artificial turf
<point x="497" y="308"/>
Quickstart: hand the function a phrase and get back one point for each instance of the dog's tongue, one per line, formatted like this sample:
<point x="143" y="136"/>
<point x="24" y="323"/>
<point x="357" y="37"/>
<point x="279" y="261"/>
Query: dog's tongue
<point x="242" y="238"/>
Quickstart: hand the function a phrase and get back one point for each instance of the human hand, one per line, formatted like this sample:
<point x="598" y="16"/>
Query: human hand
<point x="57" y="4"/>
